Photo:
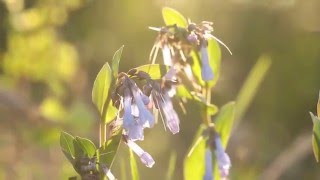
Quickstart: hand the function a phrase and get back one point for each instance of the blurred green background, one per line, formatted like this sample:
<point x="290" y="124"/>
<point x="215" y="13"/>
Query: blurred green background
<point x="51" y="51"/>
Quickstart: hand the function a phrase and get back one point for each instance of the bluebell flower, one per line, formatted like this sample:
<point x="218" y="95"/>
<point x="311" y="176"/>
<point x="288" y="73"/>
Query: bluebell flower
<point x="223" y="159"/>
<point x="145" y="157"/>
<point x="145" y="116"/>
<point x="164" y="103"/>
<point x="133" y="129"/>
<point x="206" y="71"/>
<point x="208" y="175"/>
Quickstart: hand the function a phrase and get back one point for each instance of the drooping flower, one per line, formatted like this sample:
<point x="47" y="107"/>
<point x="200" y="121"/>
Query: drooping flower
<point x="208" y="175"/>
<point x="164" y="103"/>
<point x="145" y="117"/>
<point x="145" y="157"/>
<point x="206" y="70"/>
<point x="133" y="129"/>
<point x="223" y="158"/>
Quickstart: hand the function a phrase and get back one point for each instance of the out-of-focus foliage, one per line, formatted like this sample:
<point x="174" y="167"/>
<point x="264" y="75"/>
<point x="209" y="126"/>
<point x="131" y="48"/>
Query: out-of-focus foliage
<point x="316" y="131"/>
<point x="75" y="37"/>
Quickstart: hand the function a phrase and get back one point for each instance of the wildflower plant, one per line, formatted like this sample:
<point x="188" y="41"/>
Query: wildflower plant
<point x="130" y="102"/>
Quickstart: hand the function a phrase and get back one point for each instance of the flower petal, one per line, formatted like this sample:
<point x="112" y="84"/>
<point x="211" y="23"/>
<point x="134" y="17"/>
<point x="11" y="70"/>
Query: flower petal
<point x="206" y="71"/>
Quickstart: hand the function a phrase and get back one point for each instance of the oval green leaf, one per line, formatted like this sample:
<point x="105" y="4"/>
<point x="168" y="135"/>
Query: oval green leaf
<point x="115" y="62"/>
<point x="224" y="122"/>
<point x="107" y="152"/>
<point x="133" y="166"/>
<point x="87" y="146"/>
<point x="316" y="136"/>
<point x="156" y="71"/>
<point x="194" y="163"/>
<point x="172" y="16"/>
<point x="66" y="144"/>
<point x="101" y="86"/>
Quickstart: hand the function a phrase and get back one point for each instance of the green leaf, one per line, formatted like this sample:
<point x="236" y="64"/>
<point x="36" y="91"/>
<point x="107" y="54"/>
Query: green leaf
<point x="156" y="71"/>
<point x="115" y="62"/>
<point x="171" y="166"/>
<point x="316" y="136"/>
<point x="87" y="146"/>
<point x="224" y="122"/>
<point x="214" y="53"/>
<point x="107" y="152"/>
<point x="66" y="144"/>
<point x="133" y="166"/>
<point x="101" y="87"/>
<point x="111" y="113"/>
<point x="251" y="85"/>
<point x="171" y="17"/>
<point x="194" y="162"/>
<point x="318" y="106"/>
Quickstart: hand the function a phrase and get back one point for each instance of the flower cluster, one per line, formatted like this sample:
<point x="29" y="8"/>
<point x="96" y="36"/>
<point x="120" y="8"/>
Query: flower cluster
<point x="137" y="96"/>
<point x="177" y="43"/>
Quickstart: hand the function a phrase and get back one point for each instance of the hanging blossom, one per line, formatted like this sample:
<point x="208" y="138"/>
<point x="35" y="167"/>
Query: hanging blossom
<point x="223" y="160"/>
<point x="131" y="101"/>
<point x="145" y="157"/>
<point x="135" y="106"/>
<point x="177" y="43"/>
<point x="199" y="35"/>
<point x="208" y="175"/>
<point x="222" y="157"/>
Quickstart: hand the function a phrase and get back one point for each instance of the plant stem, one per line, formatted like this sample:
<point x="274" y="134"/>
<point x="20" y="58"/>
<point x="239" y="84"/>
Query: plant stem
<point x="206" y="92"/>
<point x="103" y="134"/>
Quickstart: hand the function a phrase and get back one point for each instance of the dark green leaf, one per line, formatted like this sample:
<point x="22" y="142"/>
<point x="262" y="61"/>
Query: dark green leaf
<point x="107" y="152"/>
<point x="316" y="136"/>
<point x="66" y="144"/>
<point x="133" y="166"/>
<point x="115" y="62"/>
<point x="156" y="71"/>
<point x="224" y="122"/>
<point x="171" y="17"/>
<point x="87" y="146"/>
<point x="171" y="166"/>
<point x="194" y="162"/>
<point x="100" y="90"/>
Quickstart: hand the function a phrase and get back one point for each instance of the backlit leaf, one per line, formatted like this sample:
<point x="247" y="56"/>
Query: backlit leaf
<point x="107" y="152"/>
<point x="224" y="122"/>
<point x="156" y="71"/>
<point x="101" y="87"/>
<point x="194" y="162"/>
<point x="87" y="146"/>
<point x="66" y="144"/>
<point x="171" y="17"/>
<point x="316" y="136"/>
<point x="115" y="62"/>
<point x="133" y="166"/>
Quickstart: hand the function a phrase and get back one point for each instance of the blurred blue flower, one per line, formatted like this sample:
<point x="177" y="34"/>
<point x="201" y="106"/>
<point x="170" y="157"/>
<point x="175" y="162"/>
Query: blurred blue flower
<point x="223" y="159"/>
<point x="145" y="157"/>
<point x="208" y="175"/>
<point x="206" y="71"/>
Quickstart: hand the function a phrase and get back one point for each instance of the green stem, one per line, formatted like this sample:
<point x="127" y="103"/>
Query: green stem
<point x="103" y="134"/>
<point x="206" y="92"/>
